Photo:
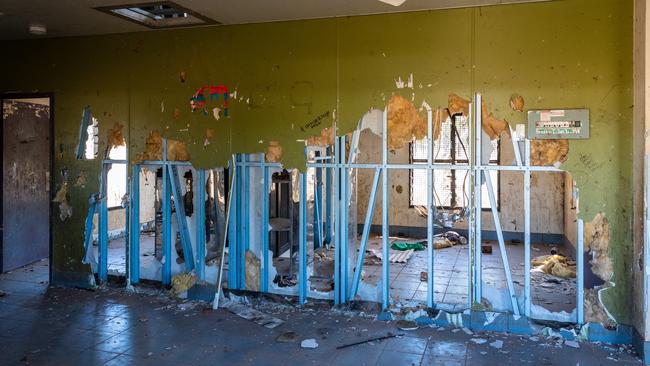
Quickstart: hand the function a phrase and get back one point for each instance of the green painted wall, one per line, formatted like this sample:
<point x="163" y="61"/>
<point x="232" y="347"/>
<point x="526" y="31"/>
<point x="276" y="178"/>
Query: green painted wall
<point x="573" y="53"/>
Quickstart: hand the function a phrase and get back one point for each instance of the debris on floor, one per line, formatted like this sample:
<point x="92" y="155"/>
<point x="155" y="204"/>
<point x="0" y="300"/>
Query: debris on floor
<point x="424" y="276"/>
<point x="406" y="325"/>
<point x="287" y="337"/>
<point x="486" y="248"/>
<point x="498" y="344"/>
<point x="241" y="307"/>
<point x="395" y="256"/>
<point x="181" y="283"/>
<point x="284" y="281"/>
<point x="556" y="265"/>
<point x="370" y="340"/>
<point x="406" y="245"/>
<point x="309" y="343"/>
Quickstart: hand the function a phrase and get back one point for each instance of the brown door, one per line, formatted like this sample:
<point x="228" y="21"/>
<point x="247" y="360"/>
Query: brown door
<point x="25" y="181"/>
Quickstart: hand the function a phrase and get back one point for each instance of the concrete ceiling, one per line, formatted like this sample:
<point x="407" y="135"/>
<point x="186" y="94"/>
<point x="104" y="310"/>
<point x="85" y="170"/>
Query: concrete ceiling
<point x="64" y="18"/>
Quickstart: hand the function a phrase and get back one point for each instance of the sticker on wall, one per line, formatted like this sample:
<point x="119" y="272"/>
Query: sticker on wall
<point x="198" y="101"/>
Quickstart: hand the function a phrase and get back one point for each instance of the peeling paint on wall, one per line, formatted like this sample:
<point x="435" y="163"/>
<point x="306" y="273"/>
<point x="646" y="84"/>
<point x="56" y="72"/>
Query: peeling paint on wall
<point x="176" y="150"/>
<point x="61" y="197"/>
<point x="548" y="152"/>
<point x="116" y="135"/>
<point x="326" y="138"/>
<point x="597" y="243"/>
<point x="517" y="103"/>
<point x="274" y="151"/>
<point x="252" y="275"/>
<point x="404" y="122"/>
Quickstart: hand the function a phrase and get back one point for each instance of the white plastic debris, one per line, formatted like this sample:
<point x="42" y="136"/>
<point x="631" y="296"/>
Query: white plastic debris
<point x="479" y="340"/>
<point x="572" y="344"/>
<point x="309" y="343"/>
<point x="467" y="331"/>
<point x="498" y="344"/>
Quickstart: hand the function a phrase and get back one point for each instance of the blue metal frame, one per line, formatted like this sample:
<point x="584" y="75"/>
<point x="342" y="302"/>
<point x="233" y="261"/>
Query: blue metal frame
<point x="102" y="223"/>
<point x="302" y="251"/>
<point x="200" y="224"/>
<point x="181" y="217"/>
<point x="384" y="213"/>
<point x="134" y="232"/>
<point x="233" y="232"/>
<point x="264" y="229"/>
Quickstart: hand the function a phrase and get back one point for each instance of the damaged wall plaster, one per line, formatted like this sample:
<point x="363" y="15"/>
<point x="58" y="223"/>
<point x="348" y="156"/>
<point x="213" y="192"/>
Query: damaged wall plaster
<point x="548" y="152"/>
<point x="61" y="197"/>
<point x="405" y="122"/>
<point x="274" y="151"/>
<point x="252" y="272"/>
<point x="597" y="243"/>
<point x="176" y="150"/>
<point x="465" y="53"/>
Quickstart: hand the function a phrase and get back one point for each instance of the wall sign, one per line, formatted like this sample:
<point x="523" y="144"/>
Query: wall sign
<point x="558" y="124"/>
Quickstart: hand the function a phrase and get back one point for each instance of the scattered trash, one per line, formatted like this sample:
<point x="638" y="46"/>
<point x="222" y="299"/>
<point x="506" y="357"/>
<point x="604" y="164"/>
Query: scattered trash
<point x="406" y="325"/>
<point x="498" y="344"/>
<point x="479" y="340"/>
<point x="284" y="281"/>
<point x="572" y="344"/>
<point x="424" y="276"/>
<point x="309" y="343"/>
<point x="287" y="337"/>
<point x="369" y="340"/>
<point x="467" y="331"/>
<point x="181" y="283"/>
<point x="242" y="309"/>
<point x="412" y="315"/>
<point x="556" y="265"/>
<point x="404" y="245"/>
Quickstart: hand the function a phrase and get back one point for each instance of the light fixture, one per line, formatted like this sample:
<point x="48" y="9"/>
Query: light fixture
<point x="37" y="29"/>
<point x="161" y="14"/>
<point x="393" y="2"/>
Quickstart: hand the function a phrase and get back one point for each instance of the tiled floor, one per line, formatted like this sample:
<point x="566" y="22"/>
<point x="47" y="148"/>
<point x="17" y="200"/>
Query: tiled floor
<point x="56" y="326"/>
<point x="451" y="276"/>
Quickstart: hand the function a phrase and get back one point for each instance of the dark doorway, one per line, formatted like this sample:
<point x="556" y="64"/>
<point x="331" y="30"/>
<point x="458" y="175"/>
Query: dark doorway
<point x="26" y="169"/>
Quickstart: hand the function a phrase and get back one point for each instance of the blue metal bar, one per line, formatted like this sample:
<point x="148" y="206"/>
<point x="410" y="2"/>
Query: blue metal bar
<point x="318" y="210"/>
<point x="89" y="255"/>
<point x="233" y="252"/>
<point x="102" y="231"/>
<point x="384" y="214"/>
<point x="478" y="266"/>
<point x="502" y="244"/>
<point x="200" y="225"/>
<point x="242" y="221"/>
<point x="328" y="205"/>
<point x="228" y="208"/>
<point x="302" y="281"/>
<point x="430" y="211"/>
<point x="472" y="219"/>
<point x="580" y="267"/>
<point x="364" y="236"/>
<point x="337" y="225"/>
<point x="527" y="295"/>
<point x="134" y="234"/>
<point x="83" y="132"/>
<point x="345" y="213"/>
<point x="181" y="217"/>
<point x="166" y="221"/>
<point x="264" y="229"/>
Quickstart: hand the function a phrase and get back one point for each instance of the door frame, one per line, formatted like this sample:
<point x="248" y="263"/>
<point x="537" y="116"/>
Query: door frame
<point x="49" y="95"/>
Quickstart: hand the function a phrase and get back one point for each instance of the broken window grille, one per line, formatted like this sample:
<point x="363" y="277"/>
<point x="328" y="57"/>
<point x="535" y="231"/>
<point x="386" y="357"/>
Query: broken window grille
<point x="451" y="187"/>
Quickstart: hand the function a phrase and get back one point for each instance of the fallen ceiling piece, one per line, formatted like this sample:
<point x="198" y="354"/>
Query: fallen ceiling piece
<point x="248" y="313"/>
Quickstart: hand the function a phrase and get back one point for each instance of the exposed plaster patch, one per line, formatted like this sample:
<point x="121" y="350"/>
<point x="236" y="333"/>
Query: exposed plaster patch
<point x="176" y="150"/>
<point x="215" y="113"/>
<point x="597" y="242"/>
<point x="404" y="122"/>
<point x="325" y="138"/>
<point x="399" y="84"/>
<point x="182" y="76"/>
<point x="81" y="179"/>
<point x="595" y="311"/>
<point x="274" y="151"/>
<point x="61" y="197"/>
<point x="209" y="135"/>
<point x="116" y="135"/>
<point x="517" y="103"/>
<point x="252" y="275"/>
<point x="492" y="125"/>
<point x="548" y="152"/>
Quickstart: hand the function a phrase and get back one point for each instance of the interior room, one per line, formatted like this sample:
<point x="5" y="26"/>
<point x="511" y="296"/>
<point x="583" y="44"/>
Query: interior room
<point x="371" y="182"/>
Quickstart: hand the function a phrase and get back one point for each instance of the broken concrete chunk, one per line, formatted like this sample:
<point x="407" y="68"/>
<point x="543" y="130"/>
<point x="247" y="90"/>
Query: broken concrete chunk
<point x="181" y="283"/>
<point x="309" y="343"/>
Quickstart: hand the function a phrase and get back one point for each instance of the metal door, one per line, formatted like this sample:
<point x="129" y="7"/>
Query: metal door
<point x="25" y="180"/>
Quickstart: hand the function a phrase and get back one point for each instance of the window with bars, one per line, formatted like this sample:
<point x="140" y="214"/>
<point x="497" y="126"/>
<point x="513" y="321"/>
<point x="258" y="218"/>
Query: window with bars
<point x="450" y="187"/>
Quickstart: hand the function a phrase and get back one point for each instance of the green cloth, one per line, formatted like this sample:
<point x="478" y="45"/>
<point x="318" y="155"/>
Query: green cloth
<point x="402" y="245"/>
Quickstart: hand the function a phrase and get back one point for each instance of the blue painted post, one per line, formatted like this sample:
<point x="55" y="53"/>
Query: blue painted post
<point x="328" y="201"/>
<point x="244" y="217"/>
<point x="134" y="241"/>
<point x="364" y="236"/>
<point x="302" y="282"/>
<point x="264" y="229"/>
<point x="430" y="211"/>
<point x="580" y="268"/>
<point x="181" y="217"/>
<point x="527" y="296"/>
<point x="200" y="225"/>
<point x="89" y="255"/>
<point x="384" y="214"/>
<point x="337" y="224"/>
<point x="478" y="266"/>
<point x="318" y="214"/>
<point x="345" y="199"/>
<point x="233" y="235"/>
<point x="102" y="230"/>
<point x="166" y="221"/>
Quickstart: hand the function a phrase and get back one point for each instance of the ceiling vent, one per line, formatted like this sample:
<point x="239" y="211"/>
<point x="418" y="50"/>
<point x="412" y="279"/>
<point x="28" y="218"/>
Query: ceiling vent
<point x="157" y="15"/>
